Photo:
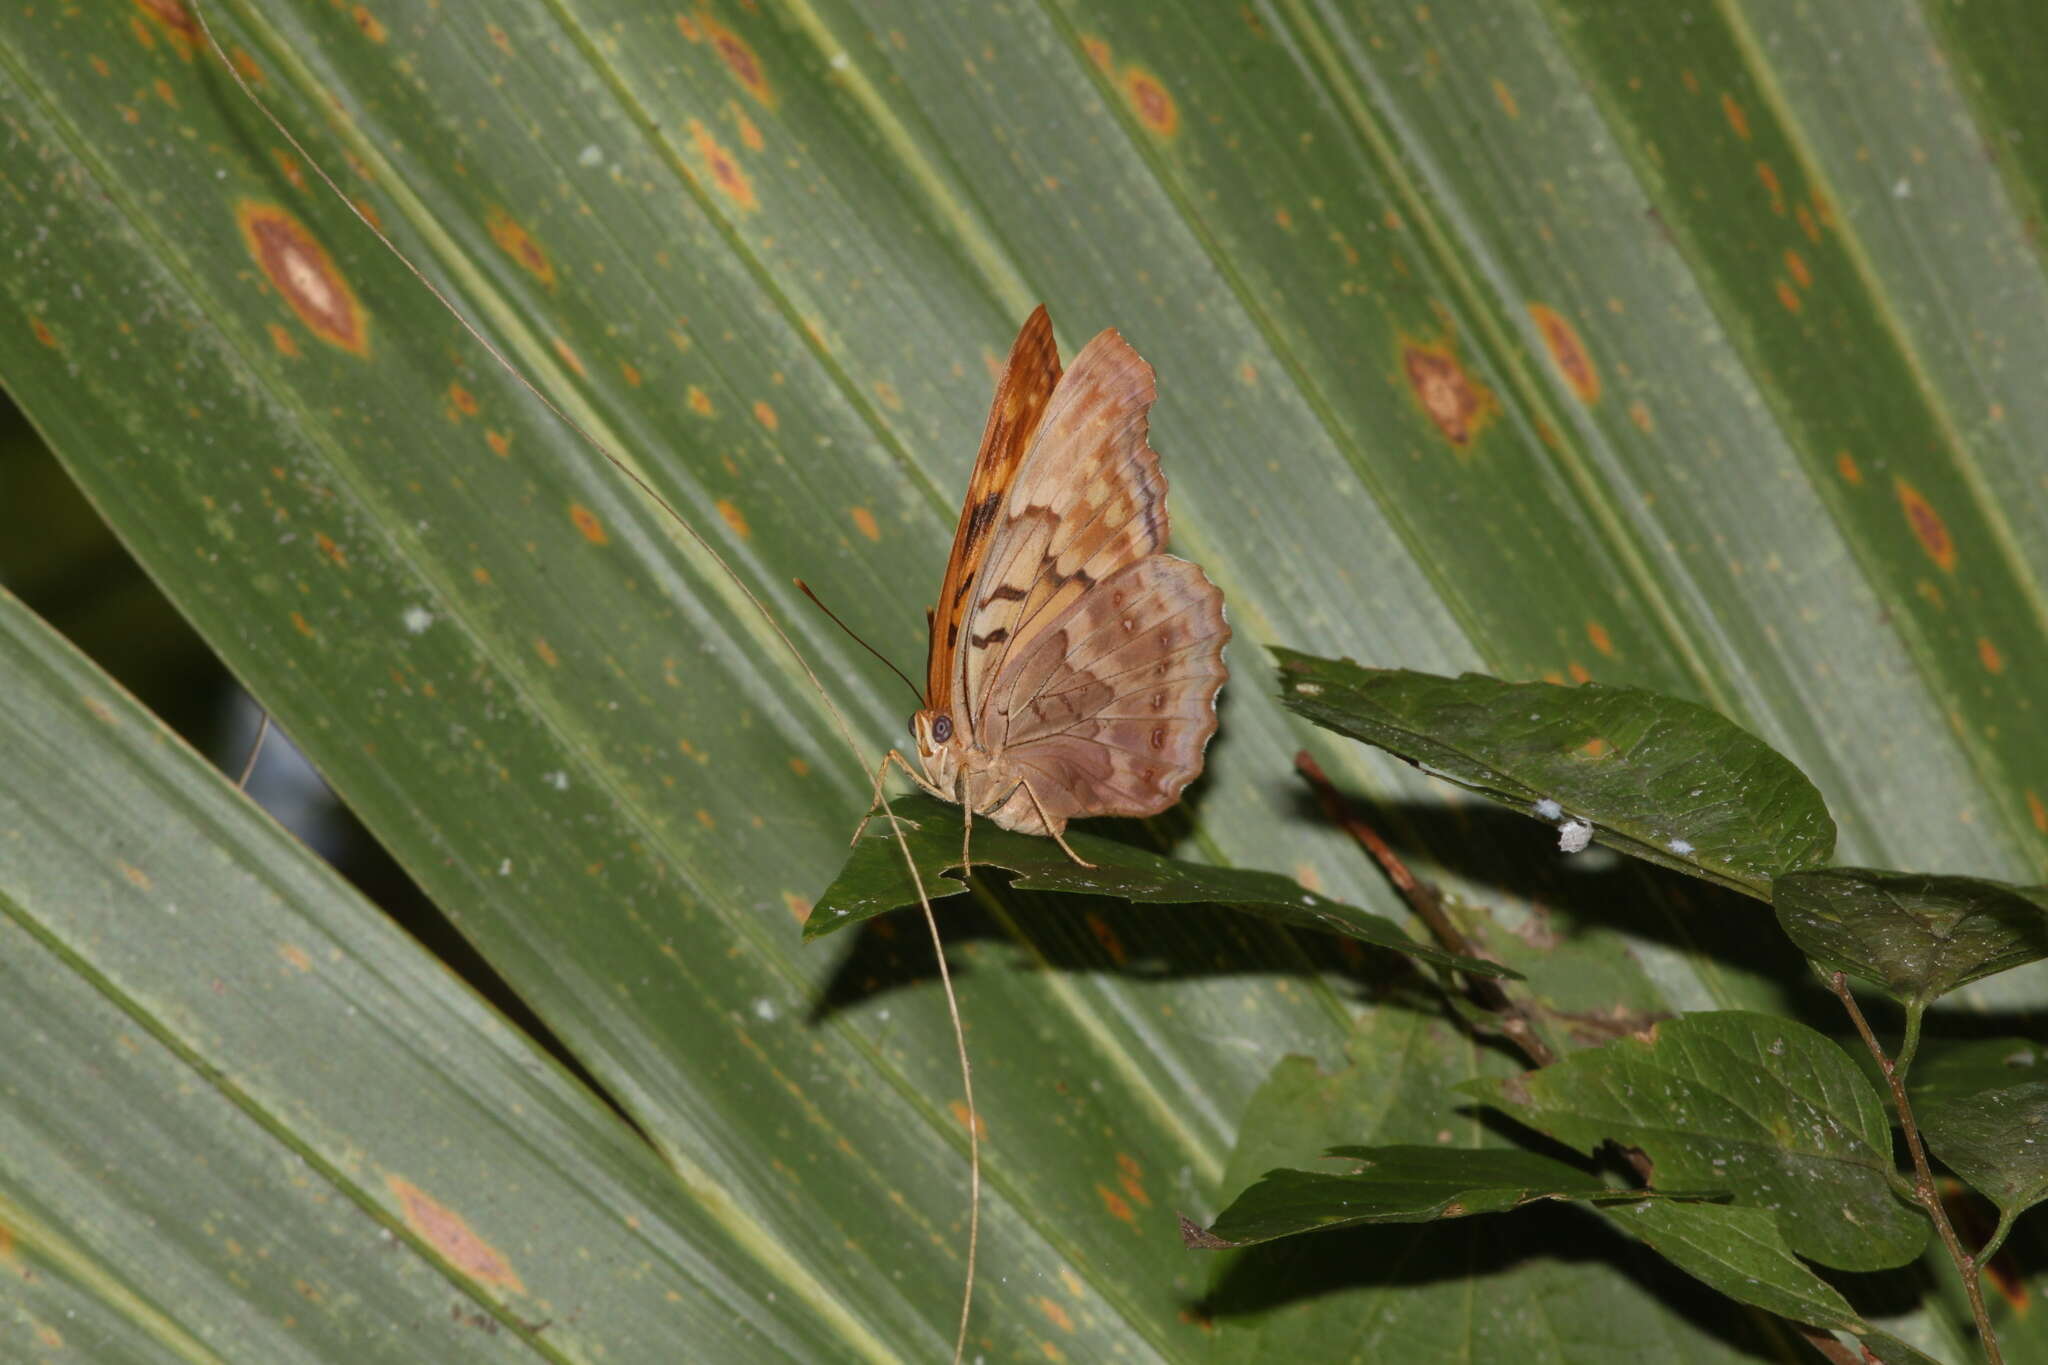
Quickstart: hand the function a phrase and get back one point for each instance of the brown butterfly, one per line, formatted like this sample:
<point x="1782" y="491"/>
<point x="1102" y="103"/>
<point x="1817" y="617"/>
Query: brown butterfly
<point x="1073" y="668"/>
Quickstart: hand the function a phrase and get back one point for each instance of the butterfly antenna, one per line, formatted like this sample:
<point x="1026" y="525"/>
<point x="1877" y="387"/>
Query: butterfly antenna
<point x="805" y="589"/>
<point x="703" y="543"/>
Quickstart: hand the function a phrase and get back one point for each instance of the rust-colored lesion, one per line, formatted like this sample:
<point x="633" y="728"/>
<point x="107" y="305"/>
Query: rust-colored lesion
<point x="1151" y="101"/>
<point x="588" y="525"/>
<point x="515" y="241"/>
<point x="1568" y="352"/>
<point x="175" y="22"/>
<point x="452" y="1238"/>
<point x="737" y="54"/>
<point x="1457" y="404"/>
<point x="302" y="272"/>
<point x="723" y="168"/>
<point x="1928" y="527"/>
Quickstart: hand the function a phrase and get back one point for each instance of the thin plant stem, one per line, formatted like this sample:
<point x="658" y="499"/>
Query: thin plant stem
<point x="1924" y="1192"/>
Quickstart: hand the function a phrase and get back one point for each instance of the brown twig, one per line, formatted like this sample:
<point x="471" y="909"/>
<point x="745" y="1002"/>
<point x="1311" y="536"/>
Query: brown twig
<point x="1428" y="904"/>
<point x="1923" y="1175"/>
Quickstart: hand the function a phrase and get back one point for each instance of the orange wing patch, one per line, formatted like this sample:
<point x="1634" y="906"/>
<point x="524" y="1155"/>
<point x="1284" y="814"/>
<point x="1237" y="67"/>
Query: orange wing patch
<point x="1026" y="387"/>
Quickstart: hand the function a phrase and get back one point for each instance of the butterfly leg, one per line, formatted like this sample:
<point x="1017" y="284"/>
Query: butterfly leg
<point x="1057" y="837"/>
<point x="966" y="832"/>
<point x="881" y="771"/>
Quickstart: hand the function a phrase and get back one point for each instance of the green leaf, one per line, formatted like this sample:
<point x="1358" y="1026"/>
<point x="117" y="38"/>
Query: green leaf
<point x="1764" y="1107"/>
<point x="1997" y="1140"/>
<point x="221" y="1024"/>
<point x="875" y="881"/>
<point x="1406" y="1184"/>
<point x="1916" y="936"/>
<point x="1660" y="779"/>
<point x="1473" y="353"/>
<point x="1949" y="1068"/>
<point x="1742" y="1252"/>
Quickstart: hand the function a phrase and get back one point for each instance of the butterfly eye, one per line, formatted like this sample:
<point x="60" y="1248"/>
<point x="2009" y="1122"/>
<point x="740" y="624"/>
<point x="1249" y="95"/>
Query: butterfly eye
<point x="942" y="729"/>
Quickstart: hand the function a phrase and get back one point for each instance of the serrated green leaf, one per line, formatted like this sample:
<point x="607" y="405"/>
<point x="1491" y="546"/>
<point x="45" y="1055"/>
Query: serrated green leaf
<point x="1742" y="1252"/>
<point x="1405" y="1184"/>
<point x="1660" y="779"/>
<point x="1764" y="1107"/>
<point x="876" y="880"/>
<point x="1916" y="936"/>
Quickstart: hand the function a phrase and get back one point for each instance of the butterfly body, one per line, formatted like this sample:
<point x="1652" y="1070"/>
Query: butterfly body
<point x="1073" y="666"/>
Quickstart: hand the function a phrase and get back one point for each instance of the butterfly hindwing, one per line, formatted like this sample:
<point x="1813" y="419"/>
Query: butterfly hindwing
<point x="1029" y="380"/>
<point x="1110" y="708"/>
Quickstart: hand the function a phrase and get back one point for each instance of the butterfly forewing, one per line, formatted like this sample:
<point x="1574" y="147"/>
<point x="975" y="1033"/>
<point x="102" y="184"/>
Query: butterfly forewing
<point x="1087" y="661"/>
<point x="1026" y="387"/>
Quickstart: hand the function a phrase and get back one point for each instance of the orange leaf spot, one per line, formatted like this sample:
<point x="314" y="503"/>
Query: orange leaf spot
<point x="303" y="273"/>
<point x="1927" y="526"/>
<point x="367" y="22"/>
<point x="1601" y="641"/>
<point x="43" y="334"/>
<point x="587" y="522"/>
<point x="1796" y="263"/>
<point x="1505" y="98"/>
<point x="1596" y="748"/>
<point x="1458" y="406"/>
<point x="734" y="518"/>
<point x="137" y="877"/>
<point x="1807" y="223"/>
<point x="959" y="1111"/>
<point x="1097" y="50"/>
<point x="176" y="22"/>
<point x="1639" y="413"/>
<point x="325" y="544"/>
<point x="738" y="56"/>
<point x="450" y="1235"/>
<point x="1112" y="946"/>
<point x="1845" y="465"/>
<point x="1988" y="655"/>
<point x="463" y="400"/>
<point x="515" y="241"/>
<point x="2037" y="811"/>
<point x="1731" y="109"/>
<point x="546" y="652"/>
<point x="1119" y="1207"/>
<point x="765" y="415"/>
<point x="1567" y="352"/>
<point x="1777" y="191"/>
<point x="301" y="625"/>
<point x="1054" y="1313"/>
<point x="1577" y="672"/>
<point x="723" y="168"/>
<point x="630" y="374"/>
<point x="799" y="908"/>
<point x="700" y="401"/>
<point x="1149" y="99"/>
<point x="864" y="522"/>
<point x="569" y="357"/>
<point x="1788" y="296"/>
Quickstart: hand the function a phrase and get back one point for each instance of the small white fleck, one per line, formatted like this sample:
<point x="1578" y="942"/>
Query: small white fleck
<point x="1574" y="835"/>
<point x="1548" y="809"/>
<point x="840" y="61"/>
<point x="1902" y="188"/>
<point x="593" y="155"/>
<point x="557" y="779"/>
<point x="1309" y="689"/>
<point x="505" y="868"/>
<point x="764" y="1010"/>
<point x="417" y="619"/>
<point x="1682" y="847"/>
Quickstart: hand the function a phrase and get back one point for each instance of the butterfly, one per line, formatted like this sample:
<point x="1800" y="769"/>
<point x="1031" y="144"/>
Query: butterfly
<point x="1073" y="667"/>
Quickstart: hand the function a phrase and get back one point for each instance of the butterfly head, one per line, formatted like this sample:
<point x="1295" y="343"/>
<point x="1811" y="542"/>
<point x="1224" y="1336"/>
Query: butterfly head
<point x="939" y="745"/>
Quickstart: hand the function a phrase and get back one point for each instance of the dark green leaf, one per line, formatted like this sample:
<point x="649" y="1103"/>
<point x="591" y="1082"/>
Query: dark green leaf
<point x="1661" y="779"/>
<point x="1743" y="1253"/>
<point x="1761" y="1106"/>
<point x="1405" y="1184"/>
<point x="1997" y="1140"/>
<point x="875" y="881"/>
<point x="1915" y="936"/>
<point x="1947" y="1069"/>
